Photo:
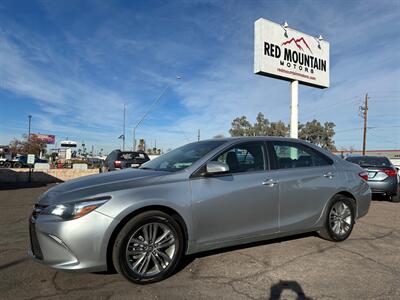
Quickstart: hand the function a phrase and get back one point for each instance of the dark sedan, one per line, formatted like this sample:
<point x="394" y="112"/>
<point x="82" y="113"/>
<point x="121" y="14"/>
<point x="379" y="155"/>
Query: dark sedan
<point x="118" y="159"/>
<point x="382" y="175"/>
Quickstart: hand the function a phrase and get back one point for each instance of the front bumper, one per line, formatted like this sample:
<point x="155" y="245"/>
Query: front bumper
<point x="387" y="186"/>
<point x="79" y="244"/>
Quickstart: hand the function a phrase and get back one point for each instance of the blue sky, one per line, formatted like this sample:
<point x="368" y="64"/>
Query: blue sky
<point x="73" y="64"/>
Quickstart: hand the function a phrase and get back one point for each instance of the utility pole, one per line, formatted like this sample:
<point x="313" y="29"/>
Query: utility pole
<point x="364" y="114"/>
<point x="198" y="135"/>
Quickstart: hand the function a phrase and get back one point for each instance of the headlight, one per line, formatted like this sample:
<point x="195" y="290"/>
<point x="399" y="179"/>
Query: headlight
<point x="74" y="210"/>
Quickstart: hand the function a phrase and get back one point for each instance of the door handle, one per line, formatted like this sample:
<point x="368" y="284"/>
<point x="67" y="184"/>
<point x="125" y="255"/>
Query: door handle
<point x="270" y="182"/>
<point x="329" y="174"/>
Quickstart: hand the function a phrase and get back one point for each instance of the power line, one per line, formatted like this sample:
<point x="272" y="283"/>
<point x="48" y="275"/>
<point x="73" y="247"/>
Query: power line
<point x="328" y="107"/>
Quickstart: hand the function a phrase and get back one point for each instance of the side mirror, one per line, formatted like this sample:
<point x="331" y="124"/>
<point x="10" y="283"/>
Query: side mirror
<point x="216" y="167"/>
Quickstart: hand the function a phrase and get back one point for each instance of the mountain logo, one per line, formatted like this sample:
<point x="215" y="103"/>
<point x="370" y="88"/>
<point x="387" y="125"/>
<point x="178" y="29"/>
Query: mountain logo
<point x="297" y="42"/>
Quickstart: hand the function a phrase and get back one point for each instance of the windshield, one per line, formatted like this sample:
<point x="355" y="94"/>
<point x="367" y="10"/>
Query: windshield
<point x="181" y="157"/>
<point x="370" y="161"/>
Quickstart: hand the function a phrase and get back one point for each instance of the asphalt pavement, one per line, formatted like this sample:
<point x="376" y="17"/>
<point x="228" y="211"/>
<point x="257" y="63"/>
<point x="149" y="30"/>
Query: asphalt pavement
<point x="366" y="266"/>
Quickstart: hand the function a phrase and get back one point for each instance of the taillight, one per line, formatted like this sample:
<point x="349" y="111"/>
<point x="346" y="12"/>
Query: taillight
<point x="363" y="175"/>
<point x="390" y="172"/>
<point x="117" y="164"/>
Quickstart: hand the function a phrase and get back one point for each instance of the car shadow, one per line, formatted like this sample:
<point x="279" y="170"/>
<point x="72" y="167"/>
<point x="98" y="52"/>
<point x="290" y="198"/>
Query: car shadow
<point x="381" y="197"/>
<point x="188" y="259"/>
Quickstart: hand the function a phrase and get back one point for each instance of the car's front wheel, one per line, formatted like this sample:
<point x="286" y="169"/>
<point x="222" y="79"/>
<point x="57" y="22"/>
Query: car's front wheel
<point x="339" y="220"/>
<point x="148" y="248"/>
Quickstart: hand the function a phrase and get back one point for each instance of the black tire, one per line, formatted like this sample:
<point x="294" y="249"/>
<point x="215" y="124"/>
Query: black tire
<point x="17" y="165"/>
<point x="7" y="164"/>
<point x="328" y="232"/>
<point x="122" y="260"/>
<point x="395" y="198"/>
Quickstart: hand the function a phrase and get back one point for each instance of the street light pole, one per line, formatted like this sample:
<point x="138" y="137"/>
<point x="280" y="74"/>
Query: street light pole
<point x="29" y="128"/>
<point x="123" y="133"/>
<point x="147" y="112"/>
<point x="29" y="146"/>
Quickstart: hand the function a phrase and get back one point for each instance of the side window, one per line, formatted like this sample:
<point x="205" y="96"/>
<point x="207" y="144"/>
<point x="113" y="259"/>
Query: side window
<point x="292" y="155"/>
<point x="246" y="157"/>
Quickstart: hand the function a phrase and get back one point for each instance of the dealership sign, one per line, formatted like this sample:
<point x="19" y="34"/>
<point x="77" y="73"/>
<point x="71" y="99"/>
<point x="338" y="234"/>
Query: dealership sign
<point x="285" y="53"/>
<point x="45" y="138"/>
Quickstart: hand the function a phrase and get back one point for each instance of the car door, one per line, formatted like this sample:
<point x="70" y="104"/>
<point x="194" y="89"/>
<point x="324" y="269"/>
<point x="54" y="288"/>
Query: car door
<point x="306" y="180"/>
<point x="237" y="204"/>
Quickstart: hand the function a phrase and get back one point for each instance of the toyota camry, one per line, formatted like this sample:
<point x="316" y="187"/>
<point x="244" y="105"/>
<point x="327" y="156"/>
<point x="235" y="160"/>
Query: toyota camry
<point x="201" y="196"/>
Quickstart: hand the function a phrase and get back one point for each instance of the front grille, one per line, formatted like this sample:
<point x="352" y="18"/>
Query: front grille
<point x="35" y="246"/>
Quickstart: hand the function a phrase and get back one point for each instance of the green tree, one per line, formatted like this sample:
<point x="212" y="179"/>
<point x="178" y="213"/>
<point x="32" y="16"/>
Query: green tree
<point x="320" y="135"/>
<point x="241" y="127"/>
<point x="313" y="131"/>
<point x="278" y="129"/>
<point x="262" y="127"/>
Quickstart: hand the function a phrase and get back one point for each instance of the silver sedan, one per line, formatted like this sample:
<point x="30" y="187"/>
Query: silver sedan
<point x="201" y="196"/>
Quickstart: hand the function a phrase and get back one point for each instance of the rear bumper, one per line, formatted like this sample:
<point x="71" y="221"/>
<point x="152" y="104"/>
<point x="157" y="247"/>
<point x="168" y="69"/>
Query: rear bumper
<point x="387" y="186"/>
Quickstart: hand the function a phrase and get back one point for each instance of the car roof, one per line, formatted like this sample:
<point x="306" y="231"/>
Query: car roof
<point x="366" y="156"/>
<point x="254" y="138"/>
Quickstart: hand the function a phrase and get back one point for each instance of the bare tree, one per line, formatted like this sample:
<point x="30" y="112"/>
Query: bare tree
<point x="23" y="146"/>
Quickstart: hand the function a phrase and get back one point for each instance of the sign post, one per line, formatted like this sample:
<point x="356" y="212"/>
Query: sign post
<point x="30" y="160"/>
<point x="294" y="110"/>
<point x="287" y="54"/>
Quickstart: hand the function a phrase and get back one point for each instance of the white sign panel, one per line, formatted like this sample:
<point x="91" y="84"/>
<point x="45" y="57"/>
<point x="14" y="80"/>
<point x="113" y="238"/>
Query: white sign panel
<point x="288" y="54"/>
<point x="30" y="159"/>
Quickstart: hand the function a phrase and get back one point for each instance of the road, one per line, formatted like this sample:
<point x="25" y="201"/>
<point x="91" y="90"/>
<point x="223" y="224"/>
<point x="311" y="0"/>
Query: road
<point x="366" y="266"/>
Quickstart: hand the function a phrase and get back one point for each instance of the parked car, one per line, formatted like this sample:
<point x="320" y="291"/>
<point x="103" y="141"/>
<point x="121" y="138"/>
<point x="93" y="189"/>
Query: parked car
<point x="22" y="161"/>
<point x="382" y="175"/>
<point x="118" y="159"/>
<point x="201" y="196"/>
<point x="5" y="163"/>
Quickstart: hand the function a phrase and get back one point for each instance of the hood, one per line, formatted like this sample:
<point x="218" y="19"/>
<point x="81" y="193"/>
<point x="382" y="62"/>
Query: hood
<point x="98" y="185"/>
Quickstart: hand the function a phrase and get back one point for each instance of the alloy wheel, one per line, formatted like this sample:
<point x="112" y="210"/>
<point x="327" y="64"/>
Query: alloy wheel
<point x="340" y="218"/>
<point x="151" y="249"/>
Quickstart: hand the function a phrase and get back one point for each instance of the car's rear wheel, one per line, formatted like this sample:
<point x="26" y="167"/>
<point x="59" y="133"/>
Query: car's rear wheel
<point x="339" y="220"/>
<point x="17" y="165"/>
<point x="148" y="248"/>
<point x="7" y="164"/>
<point x="395" y="198"/>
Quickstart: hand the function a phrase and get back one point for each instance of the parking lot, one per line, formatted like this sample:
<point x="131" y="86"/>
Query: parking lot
<point x="366" y="266"/>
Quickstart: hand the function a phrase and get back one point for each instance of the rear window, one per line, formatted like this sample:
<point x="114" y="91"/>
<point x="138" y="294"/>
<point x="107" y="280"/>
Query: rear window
<point x="376" y="161"/>
<point x="131" y="155"/>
